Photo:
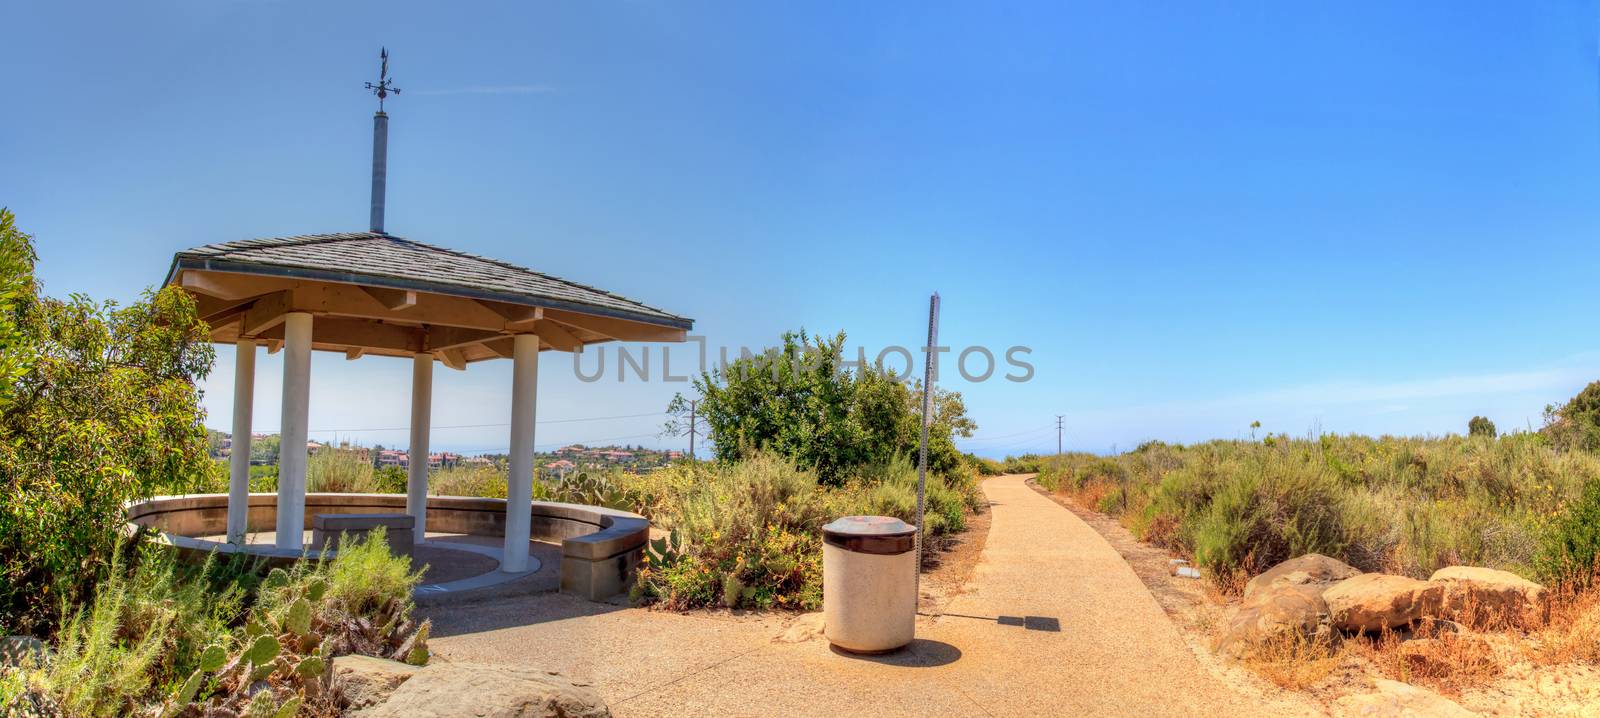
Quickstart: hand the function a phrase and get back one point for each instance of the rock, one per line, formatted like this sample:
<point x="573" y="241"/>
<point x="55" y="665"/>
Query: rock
<point x="368" y="681"/>
<point x="16" y="649"/>
<point x="1284" y="613"/>
<point x="448" y="690"/>
<point x="804" y="628"/>
<point x="1476" y="595"/>
<point x="1375" y="601"/>
<point x="1312" y="568"/>
<point x="1395" y="699"/>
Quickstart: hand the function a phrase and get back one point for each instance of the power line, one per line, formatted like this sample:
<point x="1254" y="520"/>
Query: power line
<point x="486" y="426"/>
<point x="1005" y="436"/>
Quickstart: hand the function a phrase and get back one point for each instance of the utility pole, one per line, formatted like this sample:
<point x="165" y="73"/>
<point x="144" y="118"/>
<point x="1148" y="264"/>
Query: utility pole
<point x="930" y="369"/>
<point x="1058" y="434"/>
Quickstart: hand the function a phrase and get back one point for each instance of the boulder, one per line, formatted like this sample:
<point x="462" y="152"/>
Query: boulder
<point x="1393" y="699"/>
<point x="448" y="690"/>
<point x="15" y="650"/>
<point x="1287" y="612"/>
<point x="1374" y="601"/>
<point x="1476" y="595"/>
<point x="367" y="681"/>
<point x="1311" y="569"/>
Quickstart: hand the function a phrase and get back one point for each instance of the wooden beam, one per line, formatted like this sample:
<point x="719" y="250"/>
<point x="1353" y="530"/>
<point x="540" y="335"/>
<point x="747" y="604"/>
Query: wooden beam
<point x="453" y="358"/>
<point x="354" y="353"/>
<point x="266" y="312"/>
<point x="440" y="338"/>
<point x="274" y="345"/>
<point x="348" y="300"/>
<point x="344" y="333"/>
<point x="230" y="285"/>
<point x="619" y="329"/>
<point x="517" y="318"/>
<point x="225" y="316"/>
<point x="392" y="299"/>
<point x="501" y="347"/>
<point x="557" y="337"/>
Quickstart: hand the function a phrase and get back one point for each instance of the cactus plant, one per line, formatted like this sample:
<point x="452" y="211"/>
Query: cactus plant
<point x="297" y="619"/>
<point x="213" y="658"/>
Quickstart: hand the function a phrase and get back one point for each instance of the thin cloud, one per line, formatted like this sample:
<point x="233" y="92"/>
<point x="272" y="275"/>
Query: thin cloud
<point x="491" y="90"/>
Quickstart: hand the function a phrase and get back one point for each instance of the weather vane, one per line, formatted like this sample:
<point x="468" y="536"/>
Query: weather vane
<point x="385" y="85"/>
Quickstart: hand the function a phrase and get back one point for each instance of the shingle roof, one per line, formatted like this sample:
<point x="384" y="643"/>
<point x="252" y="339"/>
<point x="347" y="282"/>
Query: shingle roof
<point x="386" y="260"/>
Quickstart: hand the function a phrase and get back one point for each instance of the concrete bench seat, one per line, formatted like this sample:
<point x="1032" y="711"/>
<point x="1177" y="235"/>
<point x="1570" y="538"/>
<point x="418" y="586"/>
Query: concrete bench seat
<point x="327" y="528"/>
<point x="601" y="548"/>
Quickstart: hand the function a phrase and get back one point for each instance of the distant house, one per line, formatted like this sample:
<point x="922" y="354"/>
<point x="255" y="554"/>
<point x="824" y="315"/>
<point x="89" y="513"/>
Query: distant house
<point x="391" y="457"/>
<point x="476" y="461"/>
<point x="562" y="465"/>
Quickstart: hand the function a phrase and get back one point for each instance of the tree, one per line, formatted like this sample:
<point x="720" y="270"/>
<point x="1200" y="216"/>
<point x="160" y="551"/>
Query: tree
<point x="803" y="402"/>
<point x="101" y="407"/>
<point x="1575" y="424"/>
<point x="1481" y="426"/>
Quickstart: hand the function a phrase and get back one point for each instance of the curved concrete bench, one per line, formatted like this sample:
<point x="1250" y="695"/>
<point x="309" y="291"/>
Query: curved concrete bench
<point x="600" y="547"/>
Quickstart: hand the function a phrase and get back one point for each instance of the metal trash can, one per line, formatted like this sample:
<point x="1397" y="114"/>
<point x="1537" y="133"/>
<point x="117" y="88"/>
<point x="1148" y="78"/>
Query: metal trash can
<point x="869" y="583"/>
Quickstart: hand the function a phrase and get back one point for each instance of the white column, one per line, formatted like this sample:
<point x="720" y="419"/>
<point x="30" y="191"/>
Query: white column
<point x="292" y="449"/>
<point x="244" y="395"/>
<point x="421" y="416"/>
<point x="519" y="489"/>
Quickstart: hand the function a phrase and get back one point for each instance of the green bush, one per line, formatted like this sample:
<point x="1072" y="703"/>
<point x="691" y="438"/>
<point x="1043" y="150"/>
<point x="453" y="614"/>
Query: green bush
<point x="1390" y="504"/>
<point x="99" y="407"/>
<point x="340" y="470"/>
<point x="391" y="479"/>
<point x="749" y="533"/>
<point x="803" y="403"/>
<point x="1570" y="551"/>
<point x="984" y="467"/>
<point x="1025" y="464"/>
<point x="1576" y="424"/>
<point x="485" y="481"/>
<point x="1481" y="426"/>
<point x="144" y="628"/>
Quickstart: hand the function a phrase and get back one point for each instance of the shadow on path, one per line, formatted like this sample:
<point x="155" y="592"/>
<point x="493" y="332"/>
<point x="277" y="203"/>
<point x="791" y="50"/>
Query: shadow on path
<point x="920" y="653"/>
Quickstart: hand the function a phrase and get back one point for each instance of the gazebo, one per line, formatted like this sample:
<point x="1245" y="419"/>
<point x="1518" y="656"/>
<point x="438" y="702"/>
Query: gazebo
<point x="374" y="293"/>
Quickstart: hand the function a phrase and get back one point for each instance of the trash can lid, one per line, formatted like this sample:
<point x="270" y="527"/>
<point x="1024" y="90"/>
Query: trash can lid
<point x="870" y="534"/>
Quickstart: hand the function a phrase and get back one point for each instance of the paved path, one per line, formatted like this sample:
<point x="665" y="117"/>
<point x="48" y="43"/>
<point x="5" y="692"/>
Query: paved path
<point x="1054" y="622"/>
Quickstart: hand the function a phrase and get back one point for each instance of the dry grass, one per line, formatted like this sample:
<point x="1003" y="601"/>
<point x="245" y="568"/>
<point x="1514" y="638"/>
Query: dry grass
<point x="1572" y="633"/>
<point x="1433" y="656"/>
<point x="1294" y="661"/>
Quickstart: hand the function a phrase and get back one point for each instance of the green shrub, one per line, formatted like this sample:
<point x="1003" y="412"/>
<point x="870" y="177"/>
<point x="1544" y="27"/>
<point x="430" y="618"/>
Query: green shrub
<point x="485" y="481"/>
<point x="1570" y="551"/>
<point x="802" y="402"/>
<point x="1399" y="505"/>
<point x="1025" y="464"/>
<point x="984" y="467"/>
<point x="340" y="471"/>
<point x="1481" y="426"/>
<point x="144" y="627"/>
<point x="1576" y="424"/>
<point x="365" y="577"/>
<point x="751" y="533"/>
<point x="391" y="479"/>
<point x="98" y="407"/>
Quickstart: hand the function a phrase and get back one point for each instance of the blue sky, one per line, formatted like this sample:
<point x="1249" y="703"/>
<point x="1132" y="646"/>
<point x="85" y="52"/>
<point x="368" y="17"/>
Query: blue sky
<point x="1357" y="217"/>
